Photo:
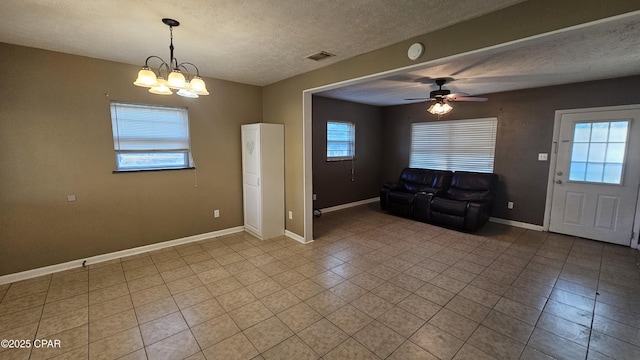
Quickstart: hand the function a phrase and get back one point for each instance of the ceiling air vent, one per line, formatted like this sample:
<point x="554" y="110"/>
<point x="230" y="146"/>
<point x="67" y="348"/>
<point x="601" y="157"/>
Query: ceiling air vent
<point x="320" y="56"/>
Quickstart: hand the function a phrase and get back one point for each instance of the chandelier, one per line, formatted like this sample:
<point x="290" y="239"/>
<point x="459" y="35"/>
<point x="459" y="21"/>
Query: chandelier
<point x="440" y="108"/>
<point x="191" y="86"/>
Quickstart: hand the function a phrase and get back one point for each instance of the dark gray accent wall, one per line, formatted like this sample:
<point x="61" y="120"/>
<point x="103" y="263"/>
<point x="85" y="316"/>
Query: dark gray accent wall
<point x="525" y="128"/>
<point x="332" y="182"/>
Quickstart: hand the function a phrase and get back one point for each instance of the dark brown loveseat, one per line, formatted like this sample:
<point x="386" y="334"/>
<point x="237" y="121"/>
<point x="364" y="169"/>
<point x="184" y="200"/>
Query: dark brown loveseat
<point x="462" y="199"/>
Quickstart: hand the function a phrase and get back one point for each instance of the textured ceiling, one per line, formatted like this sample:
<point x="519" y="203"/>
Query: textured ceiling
<point x="250" y="41"/>
<point x="600" y="50"/>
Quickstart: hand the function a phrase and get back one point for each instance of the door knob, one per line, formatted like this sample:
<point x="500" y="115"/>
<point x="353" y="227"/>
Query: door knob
<point x="558" y="181"/>
<point x="559" y="173"/>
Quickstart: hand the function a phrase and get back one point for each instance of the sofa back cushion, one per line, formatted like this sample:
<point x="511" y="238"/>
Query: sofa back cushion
<point x="472" y="186"/>
<point x="415" y="180"/>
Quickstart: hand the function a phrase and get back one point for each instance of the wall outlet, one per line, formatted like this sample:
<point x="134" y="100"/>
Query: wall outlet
<point x="510" y="205"/>
<point x="216" y="213"/>
<point x="290" y="215"/>
<point x="71" y="198"/>
<point x="543" y="157"/>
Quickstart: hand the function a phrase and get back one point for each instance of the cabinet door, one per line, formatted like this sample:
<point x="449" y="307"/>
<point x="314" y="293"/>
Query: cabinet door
<point x="251" y="178"/>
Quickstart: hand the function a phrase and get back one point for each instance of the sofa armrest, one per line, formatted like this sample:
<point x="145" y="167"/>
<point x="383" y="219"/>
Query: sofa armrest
<point x="386" y="188"/>
<point x="422" y="206"/>
<point x="393" y="185"/>
<point x="477" y="215"/>
<point x="384" y="198"/>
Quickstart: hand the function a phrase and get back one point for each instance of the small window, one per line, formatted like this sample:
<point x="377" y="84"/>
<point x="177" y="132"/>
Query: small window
<point x="150" y="137"/>
<point x="598" y="151"/>
<point x="460" y="145"/>
<point x="341" y="141"/>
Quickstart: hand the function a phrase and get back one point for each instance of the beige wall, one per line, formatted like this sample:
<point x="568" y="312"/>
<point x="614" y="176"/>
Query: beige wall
<point x="55" y="140"/>
<point x="283" y="100"/>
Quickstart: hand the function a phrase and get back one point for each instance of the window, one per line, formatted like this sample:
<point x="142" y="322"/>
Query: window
<point x="598" y="151"/>
<point x="150" y="137"/>
<point x="461" y="145"/>
<point x="341" y="141"/>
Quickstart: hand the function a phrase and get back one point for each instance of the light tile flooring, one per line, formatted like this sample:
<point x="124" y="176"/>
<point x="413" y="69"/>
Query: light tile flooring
<point x="372" y="286"/>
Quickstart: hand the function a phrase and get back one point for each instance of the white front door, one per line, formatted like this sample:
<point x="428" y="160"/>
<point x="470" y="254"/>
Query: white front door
<point x="597" y="175"/>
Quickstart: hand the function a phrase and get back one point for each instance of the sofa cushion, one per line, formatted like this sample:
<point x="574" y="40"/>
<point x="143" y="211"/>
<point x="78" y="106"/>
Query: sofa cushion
<point x="472" y="186"/>
<point x="425" y="180"/>
<point x="448" y="206"/>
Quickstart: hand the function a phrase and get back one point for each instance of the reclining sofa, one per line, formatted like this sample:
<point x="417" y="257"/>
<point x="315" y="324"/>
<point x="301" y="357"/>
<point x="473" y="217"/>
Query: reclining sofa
<point x="458" y="199"/>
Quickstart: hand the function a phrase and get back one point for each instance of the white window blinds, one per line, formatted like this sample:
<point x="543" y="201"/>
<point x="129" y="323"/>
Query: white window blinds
<point x="341" y="141"/>
<point x="459" y="145"/>
<point x="150" y="137"/>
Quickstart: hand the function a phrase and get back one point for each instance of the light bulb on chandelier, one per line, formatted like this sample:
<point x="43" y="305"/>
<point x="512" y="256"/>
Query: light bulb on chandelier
<point x="440" y="108"/>
<point x="189" y="86"/>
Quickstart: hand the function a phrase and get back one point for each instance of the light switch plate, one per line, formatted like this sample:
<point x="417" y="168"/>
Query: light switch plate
<point x="543" y="156"/>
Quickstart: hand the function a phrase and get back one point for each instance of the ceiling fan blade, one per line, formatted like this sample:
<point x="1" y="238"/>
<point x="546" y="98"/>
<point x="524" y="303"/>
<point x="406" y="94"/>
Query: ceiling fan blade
<point x="422" y="98"/>
<point x="466" y="98"/>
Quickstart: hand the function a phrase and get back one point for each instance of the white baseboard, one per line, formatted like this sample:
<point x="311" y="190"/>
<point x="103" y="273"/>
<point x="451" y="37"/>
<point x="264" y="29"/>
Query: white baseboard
<point x="5" y="279"/>
<point x="295" y="237"/>
<point x="28" y="274"/>
<point x="492" y="219"/>
<point x="349" y="205"/>
<point x="517" y="224"/>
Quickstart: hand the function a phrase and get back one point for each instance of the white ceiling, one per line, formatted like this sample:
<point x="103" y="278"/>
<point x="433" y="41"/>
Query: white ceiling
<point x="255" y="42"/>
<point x="260" y="42"/>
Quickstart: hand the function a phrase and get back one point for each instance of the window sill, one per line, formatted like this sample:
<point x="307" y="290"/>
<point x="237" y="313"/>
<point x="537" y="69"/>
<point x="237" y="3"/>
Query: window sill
<point x="343" y="159"/>
<point x="146" y="170"/>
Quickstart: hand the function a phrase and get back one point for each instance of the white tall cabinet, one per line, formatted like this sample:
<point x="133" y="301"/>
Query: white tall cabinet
<point x="263" y="179"/>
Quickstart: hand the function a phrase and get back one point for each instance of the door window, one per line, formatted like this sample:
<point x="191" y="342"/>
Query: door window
<point x="598" y="151"/>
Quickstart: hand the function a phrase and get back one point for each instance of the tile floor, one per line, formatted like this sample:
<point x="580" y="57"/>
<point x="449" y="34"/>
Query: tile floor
<point x="372" y="286"/>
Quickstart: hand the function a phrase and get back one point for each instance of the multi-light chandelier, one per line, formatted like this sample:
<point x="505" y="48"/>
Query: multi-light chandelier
<point x="191" y="86"/>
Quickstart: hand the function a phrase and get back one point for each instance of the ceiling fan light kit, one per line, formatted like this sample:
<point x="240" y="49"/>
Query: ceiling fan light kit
<point x="440" y="108"/>
<point x="191" y="86"/>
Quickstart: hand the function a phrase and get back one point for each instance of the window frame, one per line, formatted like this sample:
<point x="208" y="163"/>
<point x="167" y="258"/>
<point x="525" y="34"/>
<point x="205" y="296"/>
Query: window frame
<point x="147" y="140"/>
<point x="351" y="142"/>
<point x="462" y="138"/>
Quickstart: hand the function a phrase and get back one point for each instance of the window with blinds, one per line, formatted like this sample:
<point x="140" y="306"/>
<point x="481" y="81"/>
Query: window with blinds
<point x="459" y="145"/>
<point x="341" y="141"/>
<point x="150" y="137"/>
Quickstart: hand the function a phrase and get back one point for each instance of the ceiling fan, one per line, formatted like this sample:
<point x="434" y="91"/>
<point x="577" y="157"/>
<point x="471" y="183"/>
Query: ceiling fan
<point x="443" y="96"/>
<point x="446" y="95"/>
